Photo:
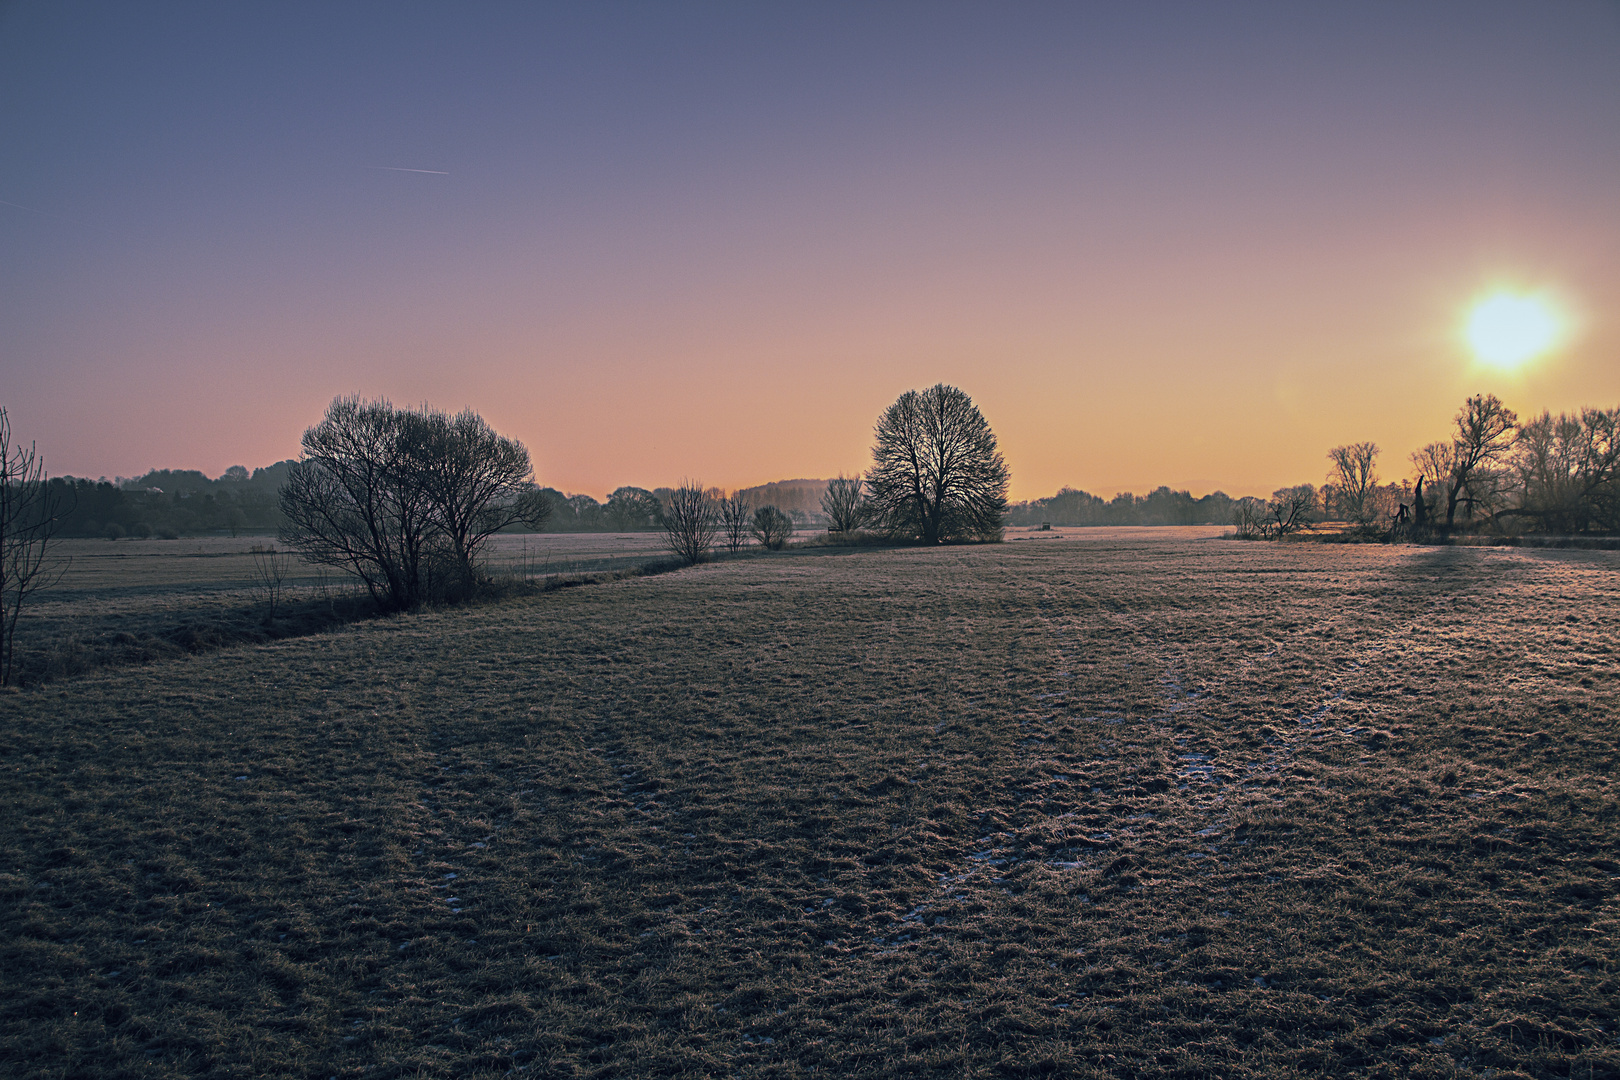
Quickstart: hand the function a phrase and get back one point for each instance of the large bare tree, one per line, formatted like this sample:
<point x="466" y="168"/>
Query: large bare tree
<point x="30" y="512"/>
<point x="393" y="495"/>
<point x="844" y="503"/>
<point x="355" y="500"/>
<point x="936" y="473"/>
<point x="477" y="482"/>
<point x="1354" y="480"/>
<point x="690" y="523"/>
<point x="1462" y="469"/>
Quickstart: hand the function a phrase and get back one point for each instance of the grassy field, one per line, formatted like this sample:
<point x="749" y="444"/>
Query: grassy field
<point x="135" y="601"/>
<point x="1139" y="805"/>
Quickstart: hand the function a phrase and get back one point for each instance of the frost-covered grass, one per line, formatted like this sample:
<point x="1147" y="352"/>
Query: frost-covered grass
<point x="1129" y="807"/>
<point x="125" y="602"/>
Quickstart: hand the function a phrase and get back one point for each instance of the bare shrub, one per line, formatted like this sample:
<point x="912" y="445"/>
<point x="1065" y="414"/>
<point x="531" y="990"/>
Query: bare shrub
<point x="736" y="520"/>
<point x="404" y="499"/>
<point x="771" y="527"/>
<point x="30" y="513"/>
<point x="1289" y="510"/>
<point x="1249" y="518"/>
<point x="690" y="523"/>
<point x="269" y="575"/>
<point x="844" y="503"/>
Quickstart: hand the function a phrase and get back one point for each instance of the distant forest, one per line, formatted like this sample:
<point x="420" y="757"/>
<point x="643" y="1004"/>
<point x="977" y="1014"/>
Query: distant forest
<point x="631" y="508"/>
<point x="1160" y="507"/>
<point x="169" y="503"/>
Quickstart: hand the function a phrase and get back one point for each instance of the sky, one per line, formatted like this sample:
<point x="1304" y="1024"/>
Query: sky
<point x="1187" y="244"/>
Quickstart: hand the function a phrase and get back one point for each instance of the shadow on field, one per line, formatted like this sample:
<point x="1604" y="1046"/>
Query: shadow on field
<point x="164" y="634"/>
<point x="93" y="638"/>
<point x="160" y="633"/>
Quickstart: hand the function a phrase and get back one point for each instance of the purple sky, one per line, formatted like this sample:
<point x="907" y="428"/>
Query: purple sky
<point x="1190" y="244"/>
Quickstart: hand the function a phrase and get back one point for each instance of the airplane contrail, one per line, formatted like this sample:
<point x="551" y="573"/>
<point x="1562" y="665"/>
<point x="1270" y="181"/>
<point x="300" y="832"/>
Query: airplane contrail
<point x="46" y="213"/>
<point x="391" y="168"/>
<point x="20" y="206"/>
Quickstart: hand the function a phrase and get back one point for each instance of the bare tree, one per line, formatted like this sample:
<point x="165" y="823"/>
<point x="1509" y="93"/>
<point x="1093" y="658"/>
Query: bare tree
<point x="269" y="574"/>
<point x="31" y="510"/>
<point x="477" y="482"/>
<point x="690" y="522"/>
<point x="1568" y="471"/>
<point x="1289" y="510"/>
<point x="1354" y="480"/>
<point x="354" y="499"/>
<point x="736" y="520"/>
<point x="405" y="499"/>
<point x="1249" y="518"/>
<point x="771" y="527"/>
<point x="936" y="473"/>
<point x="844" y="503"/>
<point x="1462" y="470"/>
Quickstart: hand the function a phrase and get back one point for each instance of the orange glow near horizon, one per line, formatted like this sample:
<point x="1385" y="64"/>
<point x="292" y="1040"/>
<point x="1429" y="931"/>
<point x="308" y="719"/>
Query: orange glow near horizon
<point x="1195" y="251"/>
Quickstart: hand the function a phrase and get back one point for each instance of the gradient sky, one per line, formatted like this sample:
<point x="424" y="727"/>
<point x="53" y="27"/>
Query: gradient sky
<point x="1188" y="244"/>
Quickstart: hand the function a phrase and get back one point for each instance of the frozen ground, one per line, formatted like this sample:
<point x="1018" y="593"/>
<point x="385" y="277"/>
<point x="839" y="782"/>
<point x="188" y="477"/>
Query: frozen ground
<point x="1133" y="806"/>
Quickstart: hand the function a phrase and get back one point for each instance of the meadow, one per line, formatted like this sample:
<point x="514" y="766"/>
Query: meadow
<point x="1105" y="805"/>
<point x="118" y="602"/>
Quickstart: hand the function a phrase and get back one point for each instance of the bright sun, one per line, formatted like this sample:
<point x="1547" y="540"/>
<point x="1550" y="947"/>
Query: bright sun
<point x="1505" y="329"/>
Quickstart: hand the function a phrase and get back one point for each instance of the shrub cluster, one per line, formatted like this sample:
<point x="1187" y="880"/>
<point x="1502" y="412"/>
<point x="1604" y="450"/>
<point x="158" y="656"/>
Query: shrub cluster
<point x="406" y="498"/>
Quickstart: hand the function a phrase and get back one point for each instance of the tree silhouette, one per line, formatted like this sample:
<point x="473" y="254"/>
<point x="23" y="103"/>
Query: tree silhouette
<point x="936" y="473"/>
<point x="1483" y="435"/>
<point x="1354" y="479"/>
<point x="771" y="527"/>
<point x="690" y="523"/>
<point x="736" y="519"/>
<point x="404" y="499"/>
<point x="632" y="508"/>
<point x="31" y="510"/>
<point x="844" y="503"/>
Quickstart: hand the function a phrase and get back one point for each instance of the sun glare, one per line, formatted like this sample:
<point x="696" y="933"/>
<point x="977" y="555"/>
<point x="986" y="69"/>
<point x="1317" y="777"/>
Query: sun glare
<point x="1506" y="329"/>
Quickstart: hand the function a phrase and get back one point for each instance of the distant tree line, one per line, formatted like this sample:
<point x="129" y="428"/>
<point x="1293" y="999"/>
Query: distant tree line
<point x="173" y="502"/>
<point x="1162" y="506"/>
<point x="1492" y="474"/>
<point x="635" y="509"/>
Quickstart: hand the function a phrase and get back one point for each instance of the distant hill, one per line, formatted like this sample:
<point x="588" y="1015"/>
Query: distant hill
<point x="801" y="499"/>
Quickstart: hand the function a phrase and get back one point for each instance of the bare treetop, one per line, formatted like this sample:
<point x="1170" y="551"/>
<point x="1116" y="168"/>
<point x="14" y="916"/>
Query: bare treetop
<point x="936" y="472"/>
